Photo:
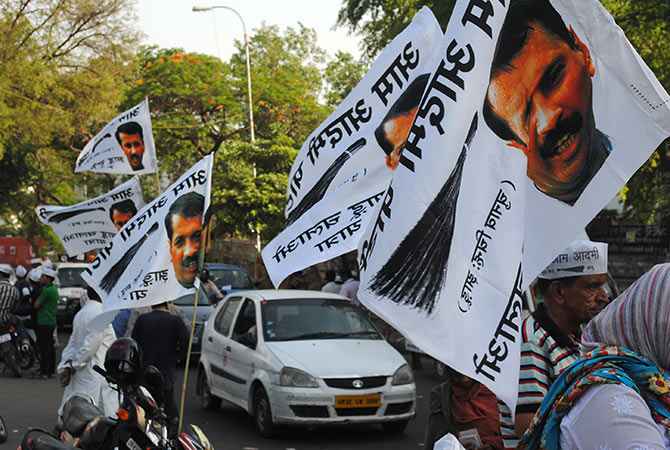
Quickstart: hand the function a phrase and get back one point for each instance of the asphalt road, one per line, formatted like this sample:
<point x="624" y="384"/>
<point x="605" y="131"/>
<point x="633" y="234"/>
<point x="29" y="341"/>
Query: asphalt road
<point x="27" y="403"/>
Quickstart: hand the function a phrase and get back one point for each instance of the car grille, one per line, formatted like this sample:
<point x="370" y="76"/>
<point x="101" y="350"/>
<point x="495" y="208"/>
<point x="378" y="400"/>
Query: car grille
<point x="348" y="412"/>
<point x="398" y="408"/>
<point x="310" y="410"/>
<point x="348" y="383"/>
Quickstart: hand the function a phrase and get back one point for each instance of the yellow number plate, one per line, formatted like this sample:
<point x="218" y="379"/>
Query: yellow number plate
<point x="358" y="401"/>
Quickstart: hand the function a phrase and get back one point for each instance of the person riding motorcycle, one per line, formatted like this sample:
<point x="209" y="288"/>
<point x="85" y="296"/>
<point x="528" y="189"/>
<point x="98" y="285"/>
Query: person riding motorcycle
<point x="23" y="309"/>
<point x="85" y="349"/>
<point x="9" y="296"/>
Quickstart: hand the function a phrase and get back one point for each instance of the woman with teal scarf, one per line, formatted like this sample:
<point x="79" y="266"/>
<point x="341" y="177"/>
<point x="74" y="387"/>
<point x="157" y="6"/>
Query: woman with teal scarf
<point x="618" y="396"/>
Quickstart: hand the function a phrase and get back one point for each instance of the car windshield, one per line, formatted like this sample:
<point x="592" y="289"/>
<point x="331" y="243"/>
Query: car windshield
<point x="187" y="300"/>
<point x="71" y="277"/>
<point x="231" y="278"/>
<point x="310" y="319"/>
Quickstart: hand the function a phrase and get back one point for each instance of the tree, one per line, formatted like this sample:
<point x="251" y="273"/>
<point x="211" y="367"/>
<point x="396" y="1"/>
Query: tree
<point x="199" y="105"/>
<point x="379" y="21"/>
<point x="646" y="24"/>
<point x="342" y="75"/>
<point x="62" y="65"/>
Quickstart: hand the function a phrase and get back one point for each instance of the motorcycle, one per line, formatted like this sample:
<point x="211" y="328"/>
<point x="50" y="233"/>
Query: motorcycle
<point x="3" y="430"/>
<point x="26" y="347"/>
<point x="8" y="352"/>
<point x="140" y="422"/>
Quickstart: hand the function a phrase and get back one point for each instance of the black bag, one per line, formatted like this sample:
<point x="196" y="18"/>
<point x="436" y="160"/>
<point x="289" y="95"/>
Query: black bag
<point x="439" y="417"/>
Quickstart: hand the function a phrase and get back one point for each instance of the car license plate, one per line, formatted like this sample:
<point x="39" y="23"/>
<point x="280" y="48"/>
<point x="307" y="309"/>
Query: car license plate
<point x="5" y="338"/>
<point x="358" y="401"/>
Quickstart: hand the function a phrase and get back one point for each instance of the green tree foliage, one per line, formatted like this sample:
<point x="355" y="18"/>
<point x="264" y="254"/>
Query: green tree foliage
<point x="62" y="65"/>
<point x="342" y="74"/>
<point x="199" y="104"/>
<point x="646" y="24"/>
<point x="379" y="21"/>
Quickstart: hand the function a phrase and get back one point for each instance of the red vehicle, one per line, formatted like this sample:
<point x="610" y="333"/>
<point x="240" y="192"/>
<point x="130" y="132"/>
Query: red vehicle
<point x="16" y="251"/>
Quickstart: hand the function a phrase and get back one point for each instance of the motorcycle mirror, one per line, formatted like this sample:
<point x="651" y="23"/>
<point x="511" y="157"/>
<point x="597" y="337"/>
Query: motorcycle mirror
<point x="154" y="382"/>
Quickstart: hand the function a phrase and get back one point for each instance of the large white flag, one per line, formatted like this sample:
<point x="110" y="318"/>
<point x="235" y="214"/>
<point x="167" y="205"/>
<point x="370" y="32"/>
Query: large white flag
<point x="348" y="160"/>
<point x="124" y="146"/>
<point x="154" y="258"/>
<point x="538" y="113"/>
<point x="92" y="224"/>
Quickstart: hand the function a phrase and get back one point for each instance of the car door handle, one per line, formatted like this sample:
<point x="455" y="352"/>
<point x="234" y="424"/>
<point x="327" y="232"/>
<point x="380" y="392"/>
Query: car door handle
<point x="228" y="348"/>
<point x="209" y="339"/>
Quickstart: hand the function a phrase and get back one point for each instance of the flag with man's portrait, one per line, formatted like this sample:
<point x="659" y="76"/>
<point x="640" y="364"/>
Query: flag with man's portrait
<point x="154" y="258"/>
<point x="92" y="224"/>
<point x="344" y="165"/>
<point x="124" y="146"/>
<point x="537" y="114"/>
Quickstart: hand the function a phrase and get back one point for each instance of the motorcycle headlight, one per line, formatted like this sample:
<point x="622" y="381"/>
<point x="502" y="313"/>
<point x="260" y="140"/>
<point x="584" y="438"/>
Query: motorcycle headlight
<point x="292" y="377"/>
<point x="403" y="375"/>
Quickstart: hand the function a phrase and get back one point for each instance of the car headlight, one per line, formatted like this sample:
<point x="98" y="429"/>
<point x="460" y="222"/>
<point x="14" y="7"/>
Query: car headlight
<point x="403" y="375"/>
<point x="292" y="377"/>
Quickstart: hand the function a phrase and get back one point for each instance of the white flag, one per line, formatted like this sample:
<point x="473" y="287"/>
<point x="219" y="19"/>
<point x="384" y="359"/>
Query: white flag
<point x="346" y="162"/>
<point x="154" y="258"/>
<point x="124" y="146"/>
<point x="516" y="147"/>
<point x="92" y="224"/>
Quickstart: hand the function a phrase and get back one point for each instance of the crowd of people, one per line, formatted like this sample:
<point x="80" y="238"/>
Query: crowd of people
<point x="160" y="334"/>
<point x="593" y="375"/>
<point x="594" y="367"/>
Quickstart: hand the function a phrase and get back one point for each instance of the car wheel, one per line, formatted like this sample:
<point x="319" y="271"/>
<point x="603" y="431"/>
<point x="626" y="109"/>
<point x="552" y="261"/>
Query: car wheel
<point x="207" y="399"/>
<point x="263" y="413"/>
<point x="395" y="427"/>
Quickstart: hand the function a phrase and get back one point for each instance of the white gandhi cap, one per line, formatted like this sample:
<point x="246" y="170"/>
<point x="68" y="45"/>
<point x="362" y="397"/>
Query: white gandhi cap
<point x="579" y="259"/>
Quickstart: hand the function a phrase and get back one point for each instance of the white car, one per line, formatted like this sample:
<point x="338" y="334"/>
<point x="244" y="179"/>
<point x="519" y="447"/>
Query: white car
<point x="292" y="357"/>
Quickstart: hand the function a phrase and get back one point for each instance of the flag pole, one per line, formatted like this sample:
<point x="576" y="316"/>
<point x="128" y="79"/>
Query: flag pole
<point x="196" y="301"/>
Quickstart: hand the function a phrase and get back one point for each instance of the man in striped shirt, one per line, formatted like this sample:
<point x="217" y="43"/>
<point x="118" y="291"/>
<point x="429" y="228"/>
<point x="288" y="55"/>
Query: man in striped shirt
<point x="549" y="337"/>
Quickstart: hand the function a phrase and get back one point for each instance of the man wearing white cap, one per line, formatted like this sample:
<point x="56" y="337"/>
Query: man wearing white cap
<point x="574" y="290"/>
<point x="46" y="305"/>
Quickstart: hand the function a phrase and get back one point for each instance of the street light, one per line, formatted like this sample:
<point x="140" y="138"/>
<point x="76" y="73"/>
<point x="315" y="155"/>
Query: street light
<point x="246" y="49"/>
<point x="251" y="109"/>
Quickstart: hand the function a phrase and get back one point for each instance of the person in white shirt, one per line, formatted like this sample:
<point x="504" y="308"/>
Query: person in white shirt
<point x="85" y="349"/>
<point x="334" y="283"/>
<point x="350" y="287"/>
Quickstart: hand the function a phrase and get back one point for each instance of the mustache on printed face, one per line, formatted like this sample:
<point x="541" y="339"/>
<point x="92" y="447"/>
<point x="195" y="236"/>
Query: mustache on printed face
<point x="561" y="136"/>
<point x="189" y="261"/>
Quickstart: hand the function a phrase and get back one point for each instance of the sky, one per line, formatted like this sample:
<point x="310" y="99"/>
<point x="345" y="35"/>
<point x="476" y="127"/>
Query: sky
<point x="171" y="23"/>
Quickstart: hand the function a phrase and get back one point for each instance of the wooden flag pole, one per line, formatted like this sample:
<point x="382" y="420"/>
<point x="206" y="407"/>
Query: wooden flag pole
<point x="196" y="302"/>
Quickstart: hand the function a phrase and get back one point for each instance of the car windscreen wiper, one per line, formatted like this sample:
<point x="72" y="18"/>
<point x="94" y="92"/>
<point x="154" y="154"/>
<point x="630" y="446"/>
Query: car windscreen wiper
<point x="372" y="333"/>
<point x="329" y="335"/>
<point x="317" y="335"/>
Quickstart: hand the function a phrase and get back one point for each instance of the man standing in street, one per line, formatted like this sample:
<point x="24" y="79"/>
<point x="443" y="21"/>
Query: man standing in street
<point x="9" y="297"/>
<point x="163" y="338"/>
<point x="574" y="290"/>
<point x="46" y="305"/>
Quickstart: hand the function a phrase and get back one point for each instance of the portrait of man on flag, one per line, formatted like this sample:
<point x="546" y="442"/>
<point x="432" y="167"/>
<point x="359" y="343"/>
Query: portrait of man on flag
<point x="183" y="225"/>
<point x="121" y="212"/>
<point x="540" y="100"/>
<point x="130" y="138"/>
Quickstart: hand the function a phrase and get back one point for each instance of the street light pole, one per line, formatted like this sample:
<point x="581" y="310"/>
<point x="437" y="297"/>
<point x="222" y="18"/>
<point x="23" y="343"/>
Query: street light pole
<point x="250" y="100"/>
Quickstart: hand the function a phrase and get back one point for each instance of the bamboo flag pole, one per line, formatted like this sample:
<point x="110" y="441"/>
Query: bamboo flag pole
<point x="196" y="302"/>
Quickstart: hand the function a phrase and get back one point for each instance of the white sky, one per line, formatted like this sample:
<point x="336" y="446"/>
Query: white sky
<point x="171" y="23"/>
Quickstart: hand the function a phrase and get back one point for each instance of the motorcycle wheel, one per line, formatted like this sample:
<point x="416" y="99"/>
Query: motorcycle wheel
<point x="26" y="358"/>
<point x="3" y="431"/>
<point x="9" y="357"/>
